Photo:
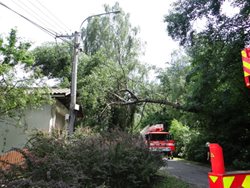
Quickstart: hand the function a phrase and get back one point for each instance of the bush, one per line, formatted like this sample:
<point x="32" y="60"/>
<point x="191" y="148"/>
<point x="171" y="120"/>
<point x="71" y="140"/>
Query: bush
<point x="112" y="159"/>
<point x="196" y="149"/>
<point x="189" y="142"/>
<point x="241" y="165"/>
<point x="181" y="136"/>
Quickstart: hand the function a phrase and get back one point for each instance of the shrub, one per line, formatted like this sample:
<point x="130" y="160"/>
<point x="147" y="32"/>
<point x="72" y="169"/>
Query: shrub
<point x="196" y="149"/>
<point x="181" y="136"/>
<point x="113" y="159"/>
<point x="189" y="142"/>
<point x="241" y="165"/>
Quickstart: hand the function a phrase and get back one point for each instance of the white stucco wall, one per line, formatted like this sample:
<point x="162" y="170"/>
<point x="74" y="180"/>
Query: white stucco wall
<point x="46" y="118"/>
<point x="14" y="133"/>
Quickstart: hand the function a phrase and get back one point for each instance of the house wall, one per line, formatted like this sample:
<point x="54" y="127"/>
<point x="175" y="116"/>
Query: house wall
<point x="58" y="113"/>
<point x="15" y="133"/>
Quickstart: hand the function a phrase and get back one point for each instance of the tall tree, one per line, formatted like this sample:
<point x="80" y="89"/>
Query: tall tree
<point x="114" y="68"/>
<point x="112" y="83"/>
<point x="108" y="70"/>
<point x="170" y="86"/>
<point x="215" y="82"/>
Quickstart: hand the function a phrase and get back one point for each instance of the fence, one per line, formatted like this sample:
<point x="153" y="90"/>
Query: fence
<point x="11" y="158"/>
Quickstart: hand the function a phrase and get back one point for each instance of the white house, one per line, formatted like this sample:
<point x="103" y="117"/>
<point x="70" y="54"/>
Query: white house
<point x="46" y="118"/>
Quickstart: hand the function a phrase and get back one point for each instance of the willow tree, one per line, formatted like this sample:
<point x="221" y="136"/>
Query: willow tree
<point x="111" y="70"/>
<point x="112" y="83"/>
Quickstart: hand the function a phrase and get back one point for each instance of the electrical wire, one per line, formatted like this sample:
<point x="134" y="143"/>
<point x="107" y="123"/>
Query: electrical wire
<point x="55" y="17"/>
<point x="34" y="23"/>
<point x="49" y="19"/>
<point x="33" y="14"/>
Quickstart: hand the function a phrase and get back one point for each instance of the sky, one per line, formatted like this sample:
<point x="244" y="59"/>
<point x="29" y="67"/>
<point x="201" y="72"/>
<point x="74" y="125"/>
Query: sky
<point x="67" y="17"/>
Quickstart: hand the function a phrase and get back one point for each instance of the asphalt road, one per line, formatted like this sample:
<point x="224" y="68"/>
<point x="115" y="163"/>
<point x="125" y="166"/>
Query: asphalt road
<point x="191" y="173"/>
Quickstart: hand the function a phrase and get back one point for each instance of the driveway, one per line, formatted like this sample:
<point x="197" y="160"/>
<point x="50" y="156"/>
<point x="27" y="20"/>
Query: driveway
<point x="189" y="172"/>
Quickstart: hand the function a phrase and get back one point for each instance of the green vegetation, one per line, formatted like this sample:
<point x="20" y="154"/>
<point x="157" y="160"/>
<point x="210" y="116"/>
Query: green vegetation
<point x="214" y="83"/>
<point x="108" y="69"/>
<point x="112" y="159"/>
<point x="200" y="96"/>
<point x="165" y="180"/>
<point x="15" y="57"/>
<point x="172" y="182"/>
<point x="202" y="89"/>
<point x="182" y="136"/>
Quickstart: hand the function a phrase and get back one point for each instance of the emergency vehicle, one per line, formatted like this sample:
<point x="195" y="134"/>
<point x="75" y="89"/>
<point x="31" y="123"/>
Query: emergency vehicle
<point x="159" y="140"/>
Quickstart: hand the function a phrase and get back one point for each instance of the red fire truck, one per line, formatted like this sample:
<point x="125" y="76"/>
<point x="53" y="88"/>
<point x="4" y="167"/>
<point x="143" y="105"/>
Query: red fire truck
<point x="159" y="141"/>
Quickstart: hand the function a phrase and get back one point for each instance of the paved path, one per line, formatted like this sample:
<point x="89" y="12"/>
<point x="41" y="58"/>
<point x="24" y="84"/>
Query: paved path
<point x="192" y="173"/>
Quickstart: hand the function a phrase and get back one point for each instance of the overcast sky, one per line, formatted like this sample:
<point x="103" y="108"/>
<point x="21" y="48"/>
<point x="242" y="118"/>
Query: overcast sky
<point x="147" y="14"/>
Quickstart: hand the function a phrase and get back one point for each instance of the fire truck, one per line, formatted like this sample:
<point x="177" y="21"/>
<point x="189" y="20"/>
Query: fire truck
<point x="159" y="140"/>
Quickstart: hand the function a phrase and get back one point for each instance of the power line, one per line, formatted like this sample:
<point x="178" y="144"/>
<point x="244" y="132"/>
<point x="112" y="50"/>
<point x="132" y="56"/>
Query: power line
<point x="49" y="18"/>
<point x="46" y="17"/>
<point x="56" y="18"/>
<point x="34" y="23"/>
<point x="33" y="14"/>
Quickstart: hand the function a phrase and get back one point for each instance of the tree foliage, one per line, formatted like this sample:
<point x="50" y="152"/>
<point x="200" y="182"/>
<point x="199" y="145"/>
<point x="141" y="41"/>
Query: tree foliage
<point x="15" y="57"/>
<point x="182" y="136"/>
<point x="54" y="60"/>
<point x="108" y="68"/>
<point x="215" y="80"/>
<point x="114" y="68"/>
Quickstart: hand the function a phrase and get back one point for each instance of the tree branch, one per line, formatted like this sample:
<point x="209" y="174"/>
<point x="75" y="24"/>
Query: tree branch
<point x="131" y="93"/>
<point x="157" y="101"/>
<point x="136" y="100"/>
<point x="119" y="97"/>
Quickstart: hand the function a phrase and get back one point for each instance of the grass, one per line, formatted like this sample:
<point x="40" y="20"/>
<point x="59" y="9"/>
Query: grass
<point x="172" y="182"/>
<point x="168" y="181"/>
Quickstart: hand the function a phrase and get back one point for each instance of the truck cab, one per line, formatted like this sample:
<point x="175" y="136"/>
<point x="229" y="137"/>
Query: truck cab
<point x="160" y="141"/>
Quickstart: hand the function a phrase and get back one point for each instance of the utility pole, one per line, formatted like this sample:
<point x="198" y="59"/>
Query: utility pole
<point x="76" y="46"/>
<point x="73" y="90"/>
<point x="73" y="93"/>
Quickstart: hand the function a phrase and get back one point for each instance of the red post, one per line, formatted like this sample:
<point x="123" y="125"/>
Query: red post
<point x="246" y="65"/>
<point x="216" y="157"/>
<point x="218" y="178"/>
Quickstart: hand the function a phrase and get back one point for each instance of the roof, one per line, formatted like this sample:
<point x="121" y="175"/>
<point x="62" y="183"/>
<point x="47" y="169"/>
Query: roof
<point x="60" y="92"/>
<point x="63" y="95"/>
